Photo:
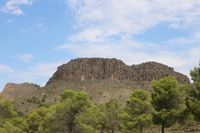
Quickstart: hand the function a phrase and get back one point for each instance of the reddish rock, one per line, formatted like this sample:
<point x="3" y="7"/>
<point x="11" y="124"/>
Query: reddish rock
<point x="90" y="69"/>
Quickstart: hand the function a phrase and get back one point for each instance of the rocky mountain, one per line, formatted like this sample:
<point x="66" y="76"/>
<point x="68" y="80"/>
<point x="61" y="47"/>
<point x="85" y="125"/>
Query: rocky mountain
<point x="19" y="93"/>
<point x="90" y="69"/>
<point x="100" y="78"/>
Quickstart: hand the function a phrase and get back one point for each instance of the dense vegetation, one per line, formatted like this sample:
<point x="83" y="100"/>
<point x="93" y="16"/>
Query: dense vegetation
<point x="169" y="104"/>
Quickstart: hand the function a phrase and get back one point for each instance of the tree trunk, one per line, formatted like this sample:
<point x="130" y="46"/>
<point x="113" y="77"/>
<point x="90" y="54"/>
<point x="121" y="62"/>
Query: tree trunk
<point x="71" y="130"/>
<point x="102" y="128"/>
<point x="140" y="129"/>
<point x="163" y="128"/>
<point x="90" y="127"/>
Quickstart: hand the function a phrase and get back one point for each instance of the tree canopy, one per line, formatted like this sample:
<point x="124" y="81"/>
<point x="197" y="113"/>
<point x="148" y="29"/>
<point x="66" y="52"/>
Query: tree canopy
<point x="64" y="115"/>
<point x="138" y="110"/>
<point x="6" y="109"/>
<point x="193" y="99"/>
<point x="167" y="101"/>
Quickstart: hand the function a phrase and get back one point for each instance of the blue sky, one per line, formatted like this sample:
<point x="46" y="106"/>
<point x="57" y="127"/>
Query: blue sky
<point x="36" y="36"/>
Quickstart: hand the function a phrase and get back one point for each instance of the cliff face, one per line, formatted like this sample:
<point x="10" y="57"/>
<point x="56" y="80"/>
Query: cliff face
<point x="90" y="69"/>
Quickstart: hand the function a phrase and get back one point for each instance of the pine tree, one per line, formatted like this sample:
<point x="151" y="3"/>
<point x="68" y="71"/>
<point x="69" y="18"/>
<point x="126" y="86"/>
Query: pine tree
<point x="167" y="100"/>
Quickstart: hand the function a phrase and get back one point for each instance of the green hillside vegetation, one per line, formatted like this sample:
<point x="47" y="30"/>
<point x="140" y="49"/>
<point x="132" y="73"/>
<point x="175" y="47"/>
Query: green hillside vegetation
<point x="169" y="108"/>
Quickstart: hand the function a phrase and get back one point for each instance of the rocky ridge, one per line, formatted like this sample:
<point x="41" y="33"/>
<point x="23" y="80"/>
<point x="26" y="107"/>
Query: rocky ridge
<point x="90" y="69"/>
<point x="100" y="78"/>
<point x="17" y="91"/>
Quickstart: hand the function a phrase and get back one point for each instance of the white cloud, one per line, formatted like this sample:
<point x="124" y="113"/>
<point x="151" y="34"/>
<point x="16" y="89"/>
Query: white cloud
<point x="195" y="52"/>
<point x="183" y="41"/>
<point x="108" y="28"/>
<point x="39" y="25"/>
<point x="36" y="74"/>
<point x="92" y="35"/>
<point x="193" y="39"/>
<point x="101" y="19"/>
<point x="1" y="80"/>
<point x="196" y="35"/>
<point x="43" y="70"/>
<point x="6" y="69"/>
<point x="10" y="21"/>
<point x="129" y="51"/>
<point x="13" y="6"/>
<point x="30" y="73"/>
<point x="25" y="57"/>
<point x="137" y="52"/>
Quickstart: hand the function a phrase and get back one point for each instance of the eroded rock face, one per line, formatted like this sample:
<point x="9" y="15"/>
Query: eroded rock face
<point x="17" y="91"/>
<point x="100" y="78"/>
<point x="90" y="69"/>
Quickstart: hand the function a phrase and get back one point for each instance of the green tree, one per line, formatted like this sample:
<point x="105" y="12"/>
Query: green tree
<point x="47" y="121"/>
<point x="193" y="99"/>
<point x="6" y="108"/>
<point x="35" y="119"/>
<point x="113" y="108"/>
<point x="63" y="117"/>
<point x="167" y="100"/>
<point x="139" y="109"/>
<point x="8" y="127"/>
<point x="87" y="120"/>
<point x="102" y="118"/>
<point x="195" y="75"/>
<point x="186" y="119"/>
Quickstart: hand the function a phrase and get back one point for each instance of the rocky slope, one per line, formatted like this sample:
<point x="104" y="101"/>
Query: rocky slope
<point x="100" y="78"/>
<point x="19" y="93"/>
<point x="91" y="69"/>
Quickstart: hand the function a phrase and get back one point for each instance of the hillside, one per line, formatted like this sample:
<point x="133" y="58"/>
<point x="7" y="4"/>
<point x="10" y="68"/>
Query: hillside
<point x="19" y="93"/>
<point x="101" y="78"/>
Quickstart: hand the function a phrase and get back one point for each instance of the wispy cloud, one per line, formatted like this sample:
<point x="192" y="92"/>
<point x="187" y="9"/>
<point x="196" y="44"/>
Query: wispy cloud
<point x="39" y="25"/>
<point x="109" y="28"/>
<point x="194" y="52"/>
<point x="13" y="6"/>
<point x="25" y="57"/>
<point x="99" y="20"/>
<point x="6" y="69"/>
<point x="137" y="52"/>
<point x="194" y="38"/>
<point x="10" y="21"/>
<point x="36" y="74"/>
<point x="43" y="70"/>
<point x="1" y="80"/>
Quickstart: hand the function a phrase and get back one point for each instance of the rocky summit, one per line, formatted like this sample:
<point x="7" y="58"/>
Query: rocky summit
<point x="91" y="69"/>
<point x="100" y="78"/>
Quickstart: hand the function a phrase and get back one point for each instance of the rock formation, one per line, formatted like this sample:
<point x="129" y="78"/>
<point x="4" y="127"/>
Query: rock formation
<point x="17" y="91"/>
<point x="90" y="69"/>
<point x="100" y="78"/>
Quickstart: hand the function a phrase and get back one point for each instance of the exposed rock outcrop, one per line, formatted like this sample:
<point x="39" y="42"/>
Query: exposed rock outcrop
<point x="90" y="69"/>
<point x="100" y="78"/>
<point x="17" y="91"/>
<point x="20" y="93"/>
